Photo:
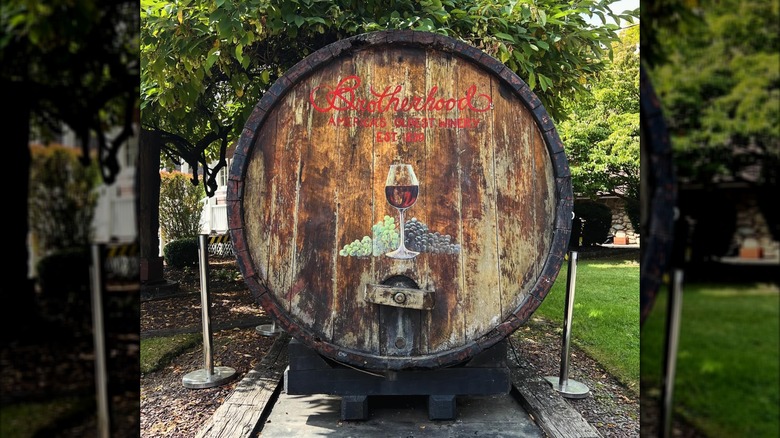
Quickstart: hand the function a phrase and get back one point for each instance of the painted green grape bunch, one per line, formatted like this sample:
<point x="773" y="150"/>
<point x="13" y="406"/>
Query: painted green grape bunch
<point x="386" y="238"/>
<point x="358" y="248"/>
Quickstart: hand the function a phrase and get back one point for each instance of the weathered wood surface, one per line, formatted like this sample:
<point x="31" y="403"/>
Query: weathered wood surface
<point x="547" y="407"/>
<point x="239" y="415"/>
<point x="309" y="174"/>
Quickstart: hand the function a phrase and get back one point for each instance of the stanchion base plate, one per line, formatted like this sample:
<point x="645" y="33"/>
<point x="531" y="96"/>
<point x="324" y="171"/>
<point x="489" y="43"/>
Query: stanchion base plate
<point x="200" y="379"/>
<point x="570" y="388"/>
<point x="268" y="329"/>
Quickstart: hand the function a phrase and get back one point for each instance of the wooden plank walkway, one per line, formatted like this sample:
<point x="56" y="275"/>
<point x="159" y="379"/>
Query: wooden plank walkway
<point x="556" y="417"/>
<point x="253" y="397"/>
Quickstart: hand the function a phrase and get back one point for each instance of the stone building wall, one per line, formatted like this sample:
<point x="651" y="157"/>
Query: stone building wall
<point x="752" y="229"/>
<point x="621" y="223"/>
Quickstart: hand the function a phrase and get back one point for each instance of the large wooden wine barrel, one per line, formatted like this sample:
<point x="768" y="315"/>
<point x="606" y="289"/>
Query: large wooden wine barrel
<point x="311" y="224"/>
<point x="659" y="197"/>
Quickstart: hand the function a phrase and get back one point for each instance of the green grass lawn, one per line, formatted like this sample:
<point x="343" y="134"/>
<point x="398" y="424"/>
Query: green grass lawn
<point x="727" y="374"/>
<point x="605" y="318"/>
<point x="24" y="420"/>
<point x="157" y="352"/>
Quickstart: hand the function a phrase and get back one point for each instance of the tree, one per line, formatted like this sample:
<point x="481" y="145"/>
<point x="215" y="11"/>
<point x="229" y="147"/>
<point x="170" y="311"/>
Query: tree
<point x="602" y="132"/>
<point x="206" y="64"/>
<point x="720" y="90"/>
<point x="62" y="198"/>
<point x="715" y="69"/>
<point x="62" y="62"/>
<point x="665" y="16"/>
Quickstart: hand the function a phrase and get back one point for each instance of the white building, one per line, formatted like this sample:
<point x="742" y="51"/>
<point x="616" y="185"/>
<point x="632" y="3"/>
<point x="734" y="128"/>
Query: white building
<point x="213" y="218"/>
<point x="115" y="216"/>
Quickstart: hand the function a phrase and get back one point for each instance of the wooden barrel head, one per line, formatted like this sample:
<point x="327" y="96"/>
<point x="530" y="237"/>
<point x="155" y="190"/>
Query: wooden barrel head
<point x="490" y="215"/>
<point x="659" y="197"/>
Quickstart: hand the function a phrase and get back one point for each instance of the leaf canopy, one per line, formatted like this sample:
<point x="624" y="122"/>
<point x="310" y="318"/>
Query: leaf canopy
<point x="76" y="62"/>
<point x="720" y="91"/>
<point x="205" y="64"/>
<point x="602" y="133"/>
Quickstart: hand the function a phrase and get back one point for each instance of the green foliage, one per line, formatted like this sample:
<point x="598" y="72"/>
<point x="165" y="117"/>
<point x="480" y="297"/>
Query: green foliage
<point x="206" y="64"/>
<point x="597" y="218"/>
<point x="225" y="274"/>
<point x="64" y="273"/>
<point x="182" y="252"/>
<point x="77" y="62"/>
<point x="720" y="90"/>
<point x="41" y="417"/>
<point x="180" y="206"/>
<point x="62" y="198"/>
<point x="728" y="348"/>
<point x="602" y="133"/>
<point x="666" y="16"/>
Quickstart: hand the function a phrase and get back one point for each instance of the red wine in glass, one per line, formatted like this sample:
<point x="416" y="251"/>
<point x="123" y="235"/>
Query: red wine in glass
<point x="401" y="196"/>
<point x="401" y="190"/>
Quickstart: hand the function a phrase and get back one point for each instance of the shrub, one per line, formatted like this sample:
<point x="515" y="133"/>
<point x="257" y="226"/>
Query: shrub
<point x="182" y="252"/>
<point x="180" y="206"/>
<point x="64" y="273"/>
<point x="597" y="218"/>
<point x="62" y="198"/>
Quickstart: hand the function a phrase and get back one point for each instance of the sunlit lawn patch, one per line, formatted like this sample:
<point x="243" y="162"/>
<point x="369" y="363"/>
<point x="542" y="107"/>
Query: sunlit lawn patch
<point x="727" y="374"/>
<point x="156" y="352"/>
<point x="605" y="318"/>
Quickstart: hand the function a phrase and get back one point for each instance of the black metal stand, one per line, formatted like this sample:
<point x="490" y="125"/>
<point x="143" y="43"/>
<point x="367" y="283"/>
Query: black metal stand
<point x="311" y="373"/>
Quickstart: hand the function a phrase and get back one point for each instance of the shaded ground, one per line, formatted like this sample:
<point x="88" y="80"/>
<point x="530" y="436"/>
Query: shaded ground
<point x="170" y="410"/>
<point x="53" y="360"/>
<point x="60" y="362"/>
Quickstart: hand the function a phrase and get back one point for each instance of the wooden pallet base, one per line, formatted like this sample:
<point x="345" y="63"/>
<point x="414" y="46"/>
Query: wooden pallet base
<point x="311" y="373"/>
<point x="244" y="411"/>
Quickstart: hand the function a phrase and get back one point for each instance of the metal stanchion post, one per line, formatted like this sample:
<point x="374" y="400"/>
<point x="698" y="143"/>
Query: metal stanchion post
<point x="208" y="376"/>
<point x="98" y="334"/>
<point x="565" y="386"/>
<point x="674" y="308"/>
<point x="268" y="329"/>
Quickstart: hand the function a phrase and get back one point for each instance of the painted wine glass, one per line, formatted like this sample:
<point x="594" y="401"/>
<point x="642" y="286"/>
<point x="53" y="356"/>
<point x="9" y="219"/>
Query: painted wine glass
<point x="401" y="190"/>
